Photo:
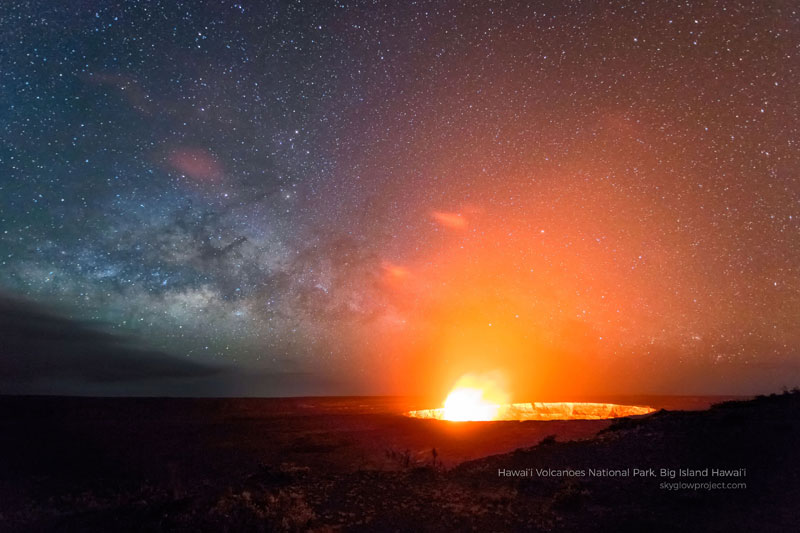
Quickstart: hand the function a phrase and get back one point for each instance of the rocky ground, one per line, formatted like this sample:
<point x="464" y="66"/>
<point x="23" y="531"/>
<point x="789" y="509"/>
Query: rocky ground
<point x="413" y="492"/>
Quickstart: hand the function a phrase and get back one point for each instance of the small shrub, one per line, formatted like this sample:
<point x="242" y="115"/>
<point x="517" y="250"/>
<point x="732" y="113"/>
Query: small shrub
<point x="548" y="440"/>
<point x="569" y="497"/>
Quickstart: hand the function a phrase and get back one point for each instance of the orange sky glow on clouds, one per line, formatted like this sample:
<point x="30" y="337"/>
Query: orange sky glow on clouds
<point x="450" y="220"/>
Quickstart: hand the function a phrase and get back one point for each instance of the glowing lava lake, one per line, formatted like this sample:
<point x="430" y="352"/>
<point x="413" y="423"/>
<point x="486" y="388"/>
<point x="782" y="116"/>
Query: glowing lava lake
<point x="484" y="397"/>
<point x="534" y="411"/>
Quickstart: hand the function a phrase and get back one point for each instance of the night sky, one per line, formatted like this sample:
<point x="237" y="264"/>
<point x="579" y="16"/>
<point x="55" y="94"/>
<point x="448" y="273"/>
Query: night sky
<point x="281" y="198"/>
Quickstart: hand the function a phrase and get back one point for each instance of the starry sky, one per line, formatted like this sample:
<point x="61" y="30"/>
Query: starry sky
<point x="291" y="198"/>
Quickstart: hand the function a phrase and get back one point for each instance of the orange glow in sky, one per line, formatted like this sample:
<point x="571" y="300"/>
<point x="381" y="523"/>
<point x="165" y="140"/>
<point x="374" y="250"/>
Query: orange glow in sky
<point x="529" y="295"/>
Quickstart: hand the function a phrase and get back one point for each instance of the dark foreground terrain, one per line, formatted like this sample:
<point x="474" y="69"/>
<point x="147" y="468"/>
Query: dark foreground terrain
<point x="71" y="464"/>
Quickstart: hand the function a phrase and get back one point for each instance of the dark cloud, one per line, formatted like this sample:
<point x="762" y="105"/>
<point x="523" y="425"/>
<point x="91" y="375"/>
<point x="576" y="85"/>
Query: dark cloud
<point x="40" y="345"/>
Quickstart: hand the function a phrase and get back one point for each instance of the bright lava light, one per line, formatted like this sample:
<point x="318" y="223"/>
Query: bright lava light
<point x="468" y="404"/>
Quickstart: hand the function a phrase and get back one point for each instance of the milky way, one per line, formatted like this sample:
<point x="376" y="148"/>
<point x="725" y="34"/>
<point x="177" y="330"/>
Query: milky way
<point x="380" y="196"/>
